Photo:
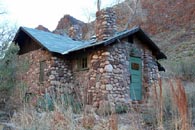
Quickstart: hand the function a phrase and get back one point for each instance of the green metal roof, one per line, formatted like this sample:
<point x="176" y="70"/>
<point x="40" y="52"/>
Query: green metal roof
<point x="64" y="44"/>
<point x="52" y="42"/>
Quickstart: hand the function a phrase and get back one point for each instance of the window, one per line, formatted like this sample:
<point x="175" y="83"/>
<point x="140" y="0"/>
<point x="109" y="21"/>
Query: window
<point x="41" y="73"/>
<point x="82" y="63"/>
<point x="134" y="66"/>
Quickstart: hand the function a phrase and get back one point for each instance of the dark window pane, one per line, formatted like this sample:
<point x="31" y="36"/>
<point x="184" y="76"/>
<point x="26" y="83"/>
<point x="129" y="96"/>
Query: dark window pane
<point x="82" y="62"/>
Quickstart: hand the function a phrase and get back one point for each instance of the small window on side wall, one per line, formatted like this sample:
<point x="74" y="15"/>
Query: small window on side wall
<point x="41" y="73"/>
<point x="82" y="63"/>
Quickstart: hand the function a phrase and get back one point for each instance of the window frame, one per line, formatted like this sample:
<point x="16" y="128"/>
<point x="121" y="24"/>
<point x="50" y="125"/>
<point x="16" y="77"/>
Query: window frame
<point x="42" y="66"/>
<point x="82" y="63"/>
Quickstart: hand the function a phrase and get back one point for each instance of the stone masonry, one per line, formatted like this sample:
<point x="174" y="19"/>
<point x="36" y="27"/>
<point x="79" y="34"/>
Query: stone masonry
<point x="105" y="24"/>
<point x="60" y="78"/>
<point x="57" y="74"/>
<point x="31" y="77"/>
<point x="107" y="76"/>
<point x="75" y="32"/>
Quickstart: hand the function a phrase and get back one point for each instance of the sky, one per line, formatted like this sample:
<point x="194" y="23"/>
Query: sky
<point x="31" y="13"/>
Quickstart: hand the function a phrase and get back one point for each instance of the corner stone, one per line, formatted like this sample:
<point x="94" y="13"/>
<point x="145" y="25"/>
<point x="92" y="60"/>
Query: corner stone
<point x="109" y="87"/>
<point x="108" y="68"/>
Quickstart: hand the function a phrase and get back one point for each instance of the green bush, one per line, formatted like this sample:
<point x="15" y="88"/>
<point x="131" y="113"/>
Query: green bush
<point x="183" y="69"/>
<point x="8" y="68"/>
<point x="121" y="109"/>
<point x="187" y="69"/>
<point x="190" y="90"/>
<point x="45" y="103"/>
<point x="49" y="102"/>
<point x="69" y="100"/>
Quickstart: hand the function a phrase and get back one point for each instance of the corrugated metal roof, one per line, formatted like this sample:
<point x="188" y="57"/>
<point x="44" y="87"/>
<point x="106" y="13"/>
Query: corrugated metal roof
<point x="118" y="35"/>
<point x="53" y="42"/>
<point x="64" y="44"/>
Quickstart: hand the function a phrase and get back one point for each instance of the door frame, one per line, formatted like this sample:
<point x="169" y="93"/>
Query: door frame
<point x="137" y="82"/>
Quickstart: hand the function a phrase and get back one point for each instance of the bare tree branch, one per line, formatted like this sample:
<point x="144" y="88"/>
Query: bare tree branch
<point x="98" y="5"/>
<point x="133" y="10"/>
<point x="6" y="35"/>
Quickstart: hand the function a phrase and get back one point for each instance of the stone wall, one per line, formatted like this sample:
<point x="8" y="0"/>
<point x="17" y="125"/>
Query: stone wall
<point x="150" y="69"/>
<point x="105" y="26"/>
<point x="107" y="77"/>
<point x="92" y="81"/>
<point x="120" y="76"/>
<point x="31" y="77"/>
<point x="60" y="76"/>
<point x="75" y="32"/>
<point x="151" y="73"/>
<point x="99" y="76"/>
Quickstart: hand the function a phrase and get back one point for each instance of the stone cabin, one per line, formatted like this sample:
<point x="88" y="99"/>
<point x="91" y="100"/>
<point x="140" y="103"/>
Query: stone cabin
<point x="116" y="66"/>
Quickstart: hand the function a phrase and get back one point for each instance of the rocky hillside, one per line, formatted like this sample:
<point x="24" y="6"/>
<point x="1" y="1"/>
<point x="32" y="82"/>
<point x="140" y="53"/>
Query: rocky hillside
<point x="171" y="23"/>
<point x="41" y="27"/>
<point x="66" y="22"/>
<point x="168" y="15"/>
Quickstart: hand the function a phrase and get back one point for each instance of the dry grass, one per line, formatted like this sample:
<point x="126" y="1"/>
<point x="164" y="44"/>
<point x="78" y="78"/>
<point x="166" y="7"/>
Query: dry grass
<point x="179" y="99"/>
<point x="55" y="120"/>
<point x="169" y="106"/>
<point x="66" y="119"/>
<point x="167" y="110"/>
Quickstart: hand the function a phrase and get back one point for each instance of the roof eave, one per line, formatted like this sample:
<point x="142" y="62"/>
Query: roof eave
<point x="160" y="67"/>
<point x="161" y="55"/>
<point x="144" y="37"/>
<point x="16" y="36"/>
<point x="22" y="29"/>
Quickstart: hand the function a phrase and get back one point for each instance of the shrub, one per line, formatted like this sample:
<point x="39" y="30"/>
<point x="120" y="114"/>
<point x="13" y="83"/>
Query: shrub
<point x="45" y="103"/>
<point x="170" y="106"/>
<point x="121" y="109"/>
<point x="190" y="90"/>
<point x="183" y="69"/>
<point x="48" y="102"/>
<point x="8" y="68"/>
<point x="69" y="100"/>
<point x="187" y="69"/>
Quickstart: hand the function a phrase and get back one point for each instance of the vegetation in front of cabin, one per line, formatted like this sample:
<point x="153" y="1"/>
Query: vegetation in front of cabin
<point x="171" y="106"/>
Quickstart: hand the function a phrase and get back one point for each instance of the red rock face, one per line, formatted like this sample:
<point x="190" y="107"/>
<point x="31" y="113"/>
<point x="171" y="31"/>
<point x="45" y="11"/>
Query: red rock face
<point x="66" y="23"/>
<point x="159" y="16"/>
<point x="163" y="15"/>
<point x="41" y="27"/>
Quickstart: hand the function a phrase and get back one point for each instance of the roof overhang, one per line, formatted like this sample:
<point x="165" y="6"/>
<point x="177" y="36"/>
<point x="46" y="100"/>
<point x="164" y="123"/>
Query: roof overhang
<point x="64" y="44"/>
<point x="137" y="31"/>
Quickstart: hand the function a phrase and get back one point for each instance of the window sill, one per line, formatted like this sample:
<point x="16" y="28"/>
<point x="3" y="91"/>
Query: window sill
<point x="41" y="83"/>
<point x="83" y="69"/>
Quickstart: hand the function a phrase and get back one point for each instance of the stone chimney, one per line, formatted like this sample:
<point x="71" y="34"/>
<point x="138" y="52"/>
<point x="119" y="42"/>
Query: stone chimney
<point x="105" y="24"/>
<point x="75" y="32"/>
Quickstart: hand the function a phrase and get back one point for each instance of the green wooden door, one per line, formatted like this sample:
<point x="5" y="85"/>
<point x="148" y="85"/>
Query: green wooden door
<point x="136" y="78"/>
